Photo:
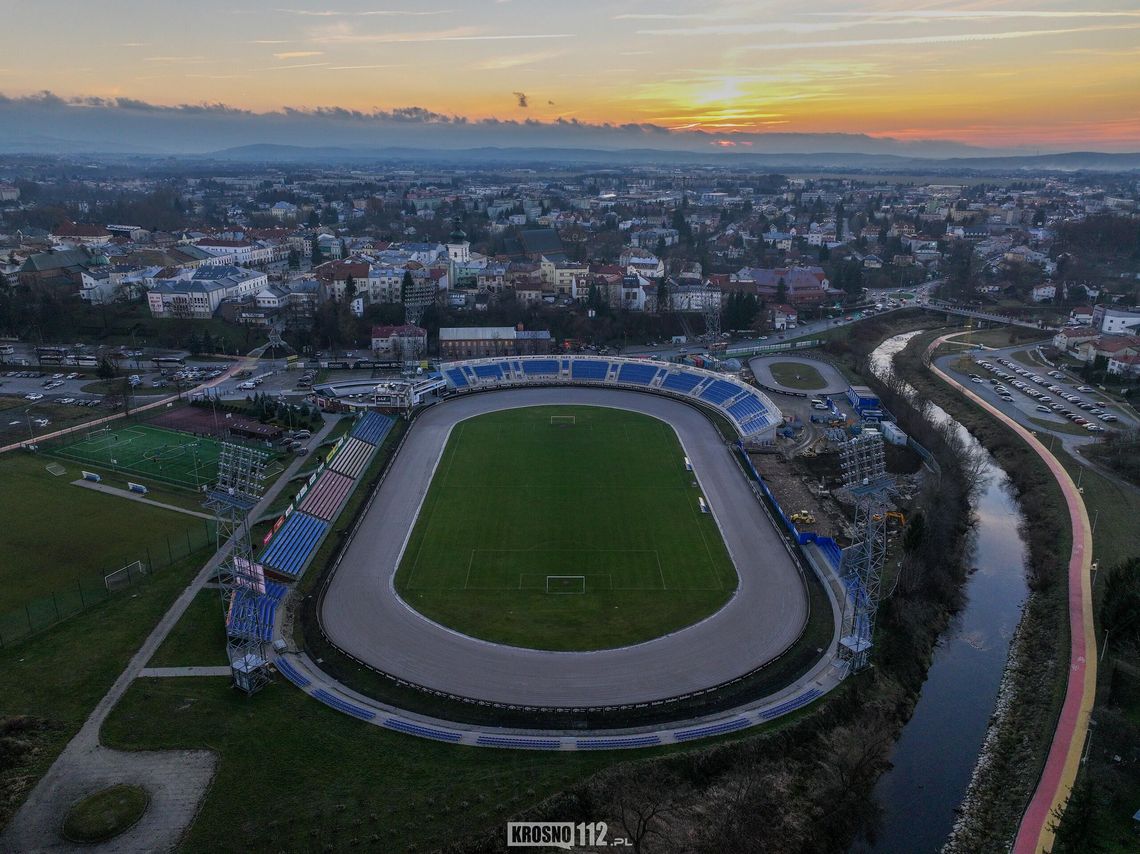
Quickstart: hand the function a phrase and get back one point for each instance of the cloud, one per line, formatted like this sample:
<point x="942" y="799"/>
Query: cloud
<point x="341" y="34"/>
<point x="947" y="38"/>
<point x="498" y="63"/>
<point x="298" y="54"/>
<point x="362" y="67"/>
<point x="377" y="13"/>
<point x="295" y="65"/>
<point x="522" y="99"/>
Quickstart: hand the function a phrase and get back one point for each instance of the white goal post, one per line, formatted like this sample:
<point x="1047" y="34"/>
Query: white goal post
<point x="562" y="584"/>
<point x="124" y="577"/>
<point x="561" y="420"/>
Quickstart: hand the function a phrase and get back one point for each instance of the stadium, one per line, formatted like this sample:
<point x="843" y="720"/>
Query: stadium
<point x="574" y="543"/>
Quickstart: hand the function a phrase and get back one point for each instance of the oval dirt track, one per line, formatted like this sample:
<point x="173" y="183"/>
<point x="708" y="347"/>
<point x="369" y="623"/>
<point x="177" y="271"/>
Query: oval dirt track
<point x="364" y="616"/>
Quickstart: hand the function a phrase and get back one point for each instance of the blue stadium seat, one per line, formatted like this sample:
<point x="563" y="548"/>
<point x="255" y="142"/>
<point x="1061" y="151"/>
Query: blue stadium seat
<point x="456" y="377"/>
<point x="489" y="372"/>
<point x="343" y="705"/>
<point x="616" y="743"/>
<point x="584" y="370"/>
<point x="718" y="391"/>
<point x="540" y="367"/>
<point x="525" y="743"/>
<point x="291" y="673"/>
<point x="292" y="546"/>
<point x="251" y="615"/>
<point x="790" y="705"/>
<point x="372" y="428"/>
<point x="419" y="729"/>
<point x="711" y="729"/>
<point x="680" y="382"/>
<point x="639" y="374"/>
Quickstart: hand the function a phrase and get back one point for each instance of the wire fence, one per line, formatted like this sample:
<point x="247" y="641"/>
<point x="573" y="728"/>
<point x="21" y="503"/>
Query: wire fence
<point x="95" y="588"/>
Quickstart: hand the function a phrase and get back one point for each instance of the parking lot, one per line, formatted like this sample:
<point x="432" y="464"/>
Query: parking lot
<point x="1040" y="398"/>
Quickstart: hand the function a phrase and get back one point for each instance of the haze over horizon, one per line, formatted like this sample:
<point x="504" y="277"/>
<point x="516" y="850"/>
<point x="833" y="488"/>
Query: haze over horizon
<point x="981" y="77"/>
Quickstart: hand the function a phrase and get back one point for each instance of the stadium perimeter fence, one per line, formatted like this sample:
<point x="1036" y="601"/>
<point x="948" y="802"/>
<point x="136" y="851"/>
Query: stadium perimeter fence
<point x="96" y="587"/>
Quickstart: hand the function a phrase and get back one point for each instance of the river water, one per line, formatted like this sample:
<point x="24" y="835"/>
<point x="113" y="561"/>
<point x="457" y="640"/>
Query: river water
<point x="936" y="752"/>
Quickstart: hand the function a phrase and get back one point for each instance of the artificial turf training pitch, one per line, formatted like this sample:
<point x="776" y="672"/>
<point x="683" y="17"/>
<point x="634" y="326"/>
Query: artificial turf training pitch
<point x="152" y="452"/>
<point x="580" y="531"/>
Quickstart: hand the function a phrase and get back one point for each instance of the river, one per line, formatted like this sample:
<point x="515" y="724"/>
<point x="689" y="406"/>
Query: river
<point x="936" y="752"/>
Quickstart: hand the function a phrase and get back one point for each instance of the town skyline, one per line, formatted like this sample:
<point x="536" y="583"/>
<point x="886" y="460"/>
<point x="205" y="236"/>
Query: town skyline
<point x="990" y="75"/>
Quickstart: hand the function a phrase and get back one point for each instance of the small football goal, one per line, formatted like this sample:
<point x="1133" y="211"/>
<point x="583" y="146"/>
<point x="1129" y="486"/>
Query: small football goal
<point x="125" y="577"/>
<point x="562" y="421"/>
<point x="566" y="584"/>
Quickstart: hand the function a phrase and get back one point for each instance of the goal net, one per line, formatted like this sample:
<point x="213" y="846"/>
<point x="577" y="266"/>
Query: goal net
<point x="124" y="577"/>
<point x="561" y="420"/>
<point x="565" y="584"/>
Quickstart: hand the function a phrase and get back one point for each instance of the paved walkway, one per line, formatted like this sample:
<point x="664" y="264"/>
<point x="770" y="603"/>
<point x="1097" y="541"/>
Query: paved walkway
<point x="176" y="779"/>
<point x="1036" y="831"/>
<point x="135" y="496"/>
<point x="167" y="672"/>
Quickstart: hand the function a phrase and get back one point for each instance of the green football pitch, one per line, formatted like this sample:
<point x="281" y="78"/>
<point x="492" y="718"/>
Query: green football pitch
<point x="152" y="452"/>
<point x="566" y="528"/>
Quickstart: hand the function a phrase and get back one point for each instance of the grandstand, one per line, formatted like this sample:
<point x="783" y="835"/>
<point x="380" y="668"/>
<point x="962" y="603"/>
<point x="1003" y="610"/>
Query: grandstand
<point x="753" y="415"/>
<point x="292" y="545"/>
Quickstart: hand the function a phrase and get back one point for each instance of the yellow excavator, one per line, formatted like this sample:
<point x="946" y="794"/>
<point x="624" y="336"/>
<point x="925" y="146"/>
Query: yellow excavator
<point x="805" y="517"/>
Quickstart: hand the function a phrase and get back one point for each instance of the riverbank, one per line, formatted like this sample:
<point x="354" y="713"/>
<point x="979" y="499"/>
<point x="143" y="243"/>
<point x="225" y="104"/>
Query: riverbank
<point x="1034" y="682"/>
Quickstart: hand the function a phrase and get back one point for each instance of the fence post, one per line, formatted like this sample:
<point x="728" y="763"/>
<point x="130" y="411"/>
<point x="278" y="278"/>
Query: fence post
<point x="28" y="614"/>
<point x="149" y="562"/>
<point x="189" y="545"/>
<point x="55" y="602"/>
<point x="169" y="550"/>
<point x="82" y="600"/>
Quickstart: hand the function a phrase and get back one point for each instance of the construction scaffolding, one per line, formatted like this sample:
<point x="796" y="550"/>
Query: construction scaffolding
<point x="861" y="566"/>
<point x="241" y="474"/>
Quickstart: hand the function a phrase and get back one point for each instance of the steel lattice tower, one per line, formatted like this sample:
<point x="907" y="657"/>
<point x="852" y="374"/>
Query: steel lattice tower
<point x="241" y="472"/>
<point x="864" y="474"/>
<point x="711" y="307"/>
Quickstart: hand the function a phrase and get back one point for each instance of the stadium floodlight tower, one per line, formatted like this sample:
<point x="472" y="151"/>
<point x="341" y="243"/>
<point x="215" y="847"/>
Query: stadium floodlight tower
<point x="241" y="473"/>
<point x="861" y="567"/>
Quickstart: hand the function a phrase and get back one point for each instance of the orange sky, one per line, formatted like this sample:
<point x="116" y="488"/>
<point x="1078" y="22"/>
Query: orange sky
<point x="1050" y="74"/>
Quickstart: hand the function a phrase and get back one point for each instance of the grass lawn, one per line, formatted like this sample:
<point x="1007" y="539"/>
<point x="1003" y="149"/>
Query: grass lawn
<point x="116" y="386"/>
<point x="58" y="533"/>
<point x="1003" y="336"/>
<point x="604" y="503"/>
<point x="1060" y="427"/>
<point x="328" y="779"/>
<point x="198" y="639"/>
<point x="57" y="679"/>
<point x="105" y="814"/>
<point x="797" y="375"/>
<point x="155" y="452"/>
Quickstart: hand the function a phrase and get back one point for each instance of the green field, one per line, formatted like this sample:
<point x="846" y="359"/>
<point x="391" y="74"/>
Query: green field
<point x="570" y="536"/>
<point x="796" y="375"/>
<point x="58" y="533"/>
<point x="155" y="452"/>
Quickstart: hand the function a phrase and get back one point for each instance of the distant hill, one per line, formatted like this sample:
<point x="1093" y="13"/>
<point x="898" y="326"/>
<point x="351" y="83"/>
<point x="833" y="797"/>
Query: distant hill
<point x="1068" y="161"/>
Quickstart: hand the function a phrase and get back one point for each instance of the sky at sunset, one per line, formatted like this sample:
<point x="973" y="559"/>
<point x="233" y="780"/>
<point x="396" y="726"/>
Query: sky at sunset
<point x="1045" y="74"/>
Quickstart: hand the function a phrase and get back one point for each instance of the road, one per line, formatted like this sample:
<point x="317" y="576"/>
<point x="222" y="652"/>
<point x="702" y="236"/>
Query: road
<point x="1035" y="833"/>
<point x="364" y="616"/>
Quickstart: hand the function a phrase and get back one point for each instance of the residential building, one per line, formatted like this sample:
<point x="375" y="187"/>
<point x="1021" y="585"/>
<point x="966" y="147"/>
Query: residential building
<point x="1115" y="321"/>
<point x="406" y="341"/>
